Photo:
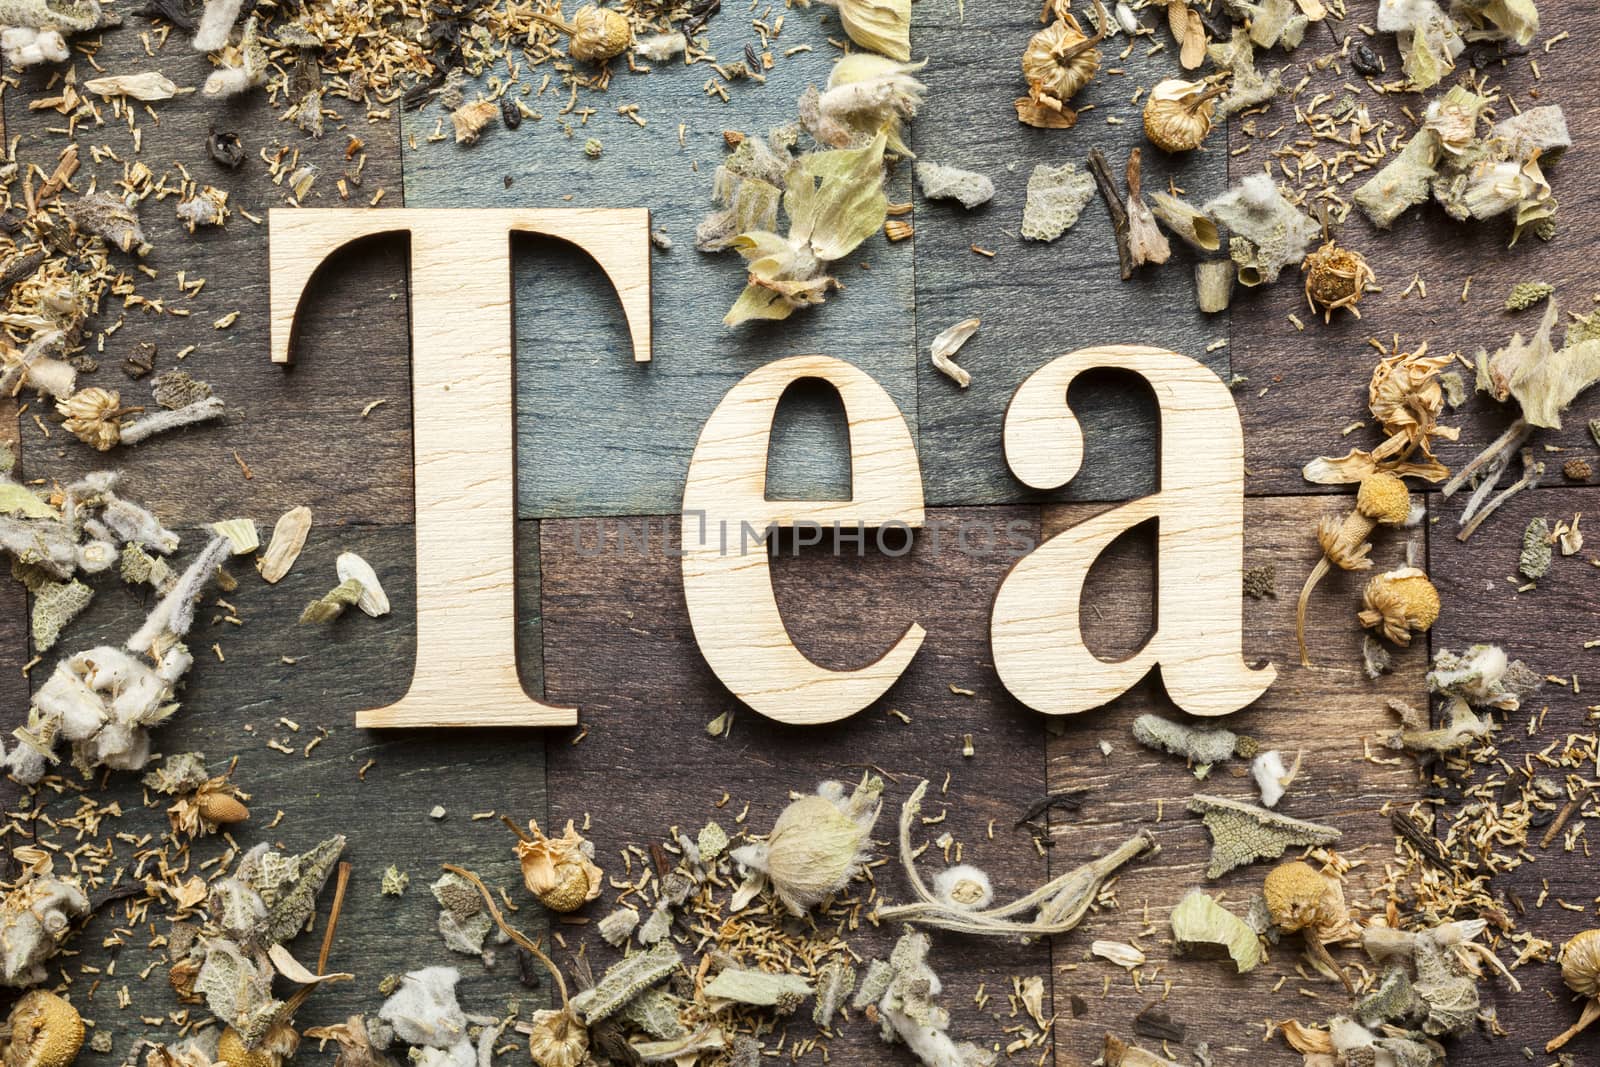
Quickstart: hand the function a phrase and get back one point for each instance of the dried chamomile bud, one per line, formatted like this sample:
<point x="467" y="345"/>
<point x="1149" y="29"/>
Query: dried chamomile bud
<point x="1202" y="927"/>
<point x="557" y="1039"/>
<point x="1336" y="278"/>
<point x="1382" y="498"/>
<point x="560" y="871"/>
<point x="1526" y="294"/>
<point x="1400" y="603"/>
<point x="597" y="33"/>
<point x="882" y="26"/>
<point x="964" y="886"/>
<point x="1177" y="114"/>
<point x="818" y="844"/>
<point x="45" y="1031"/>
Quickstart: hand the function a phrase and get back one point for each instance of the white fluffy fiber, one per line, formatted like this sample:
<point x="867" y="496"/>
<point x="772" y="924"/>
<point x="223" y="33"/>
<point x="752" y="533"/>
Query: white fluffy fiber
<point x="216" y="22"/>
<point x="27" y="47"/>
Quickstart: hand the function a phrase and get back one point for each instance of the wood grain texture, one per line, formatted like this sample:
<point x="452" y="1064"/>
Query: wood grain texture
<point x="600" y="437"/>
<point x="618" y="642"/>
<point x="1037" y="626"/>
<point x="1306" y="386"/>
<point x="301" y="432"/>
<point x="1038" y="301"/>
<point x="1546" y="627"/>
<point x="1329" y="711"/>
<point x="463" y="430"/>
<point x="729" y="527"/>
<point x="13" y="697"/>
<point x="235" y="707"/>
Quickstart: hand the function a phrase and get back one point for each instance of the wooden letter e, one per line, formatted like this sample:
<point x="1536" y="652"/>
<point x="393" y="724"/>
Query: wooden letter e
<point x="463" y="429"/>
<point x="727" y="518"/>
<point x="1198" y="640"/>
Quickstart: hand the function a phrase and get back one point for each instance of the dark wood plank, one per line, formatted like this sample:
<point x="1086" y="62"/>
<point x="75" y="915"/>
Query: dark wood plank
<point x="645" y="762"/>
<point x="1038" y="301"/>
<point x="1330" y="711"/>
<point x="603" y="436"/>
<point x="14" y="698"/>
<point x="1546" y="627"/>
<point x="300" y="429"/>
<point x="235" y="707"/>
<point x="1315" y="380"/>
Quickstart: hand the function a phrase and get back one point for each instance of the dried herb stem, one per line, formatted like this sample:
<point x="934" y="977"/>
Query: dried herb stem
<point x="1591" y="1012"/>
<point x="1501" y="449"/>
<point x="1119" y="214"/>
<point x="1063" y="56"/>
<point x="340" y="884"/>
<point x="516" y="935"/>
<point x="1062" y="903"/>
<point x="1531" y="473"/>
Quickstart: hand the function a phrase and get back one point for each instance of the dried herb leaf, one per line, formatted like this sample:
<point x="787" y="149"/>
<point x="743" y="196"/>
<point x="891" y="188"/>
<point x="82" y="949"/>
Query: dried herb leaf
<point x="1243" y="833"/>
<point x="1202" y="927"/>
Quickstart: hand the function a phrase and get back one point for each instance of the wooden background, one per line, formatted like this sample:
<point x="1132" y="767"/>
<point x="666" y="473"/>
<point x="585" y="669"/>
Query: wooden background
<point x="601" y="437"/>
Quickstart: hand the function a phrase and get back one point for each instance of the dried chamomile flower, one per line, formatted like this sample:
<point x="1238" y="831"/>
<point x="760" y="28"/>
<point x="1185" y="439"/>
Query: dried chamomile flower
<point x="1400" y="603"/>
<point x="1580" y="969"/>
<point x="835" y="201"/>
<point x="1269" y="232"/>
<point x="597" y="34"/>
<point x="879" y="25"/>
<point x="91" y="416"/>
<point x="910" y="1015"/>
<point x="1178" y="114"/>
<point x="818" y="843"/>
<point x="1382" y="498"/>
<point x="1243" y="833"/>
<point x="1056" y="197"/>
<point x="35" y="918"/>
<point x="45" y="1031"/>
<point x="1202" y="927"/>
<point x="1407" y="397"/>
<point x="560" y="871"/>
<point x="964" y="887"/>
<point x="1542" y="379"/>
<point x="939" y="182"/>
<point x="1336" y="278"/>
<point x="866" y="94"/>
<point x="1302" y="900"/>
<point x="1059" y="61"/>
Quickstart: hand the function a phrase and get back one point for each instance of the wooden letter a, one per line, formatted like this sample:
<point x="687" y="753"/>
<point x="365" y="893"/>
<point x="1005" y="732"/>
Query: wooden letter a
<point x="1198" y="641"/>
<point x="463" y="429"/>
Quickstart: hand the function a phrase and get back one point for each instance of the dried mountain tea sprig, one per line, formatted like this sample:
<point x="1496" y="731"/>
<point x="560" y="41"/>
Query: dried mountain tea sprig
<point x="1382" y="498"/>
<point x="559" y="1038"/>
<point x="1058" y="906"/>
<point x="1201" y="746"/>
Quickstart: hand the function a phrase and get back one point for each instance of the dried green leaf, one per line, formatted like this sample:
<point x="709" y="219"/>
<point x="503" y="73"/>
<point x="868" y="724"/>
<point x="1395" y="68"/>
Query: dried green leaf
<point x="1242" y="833"/>
<point x="1201" y="927"/>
